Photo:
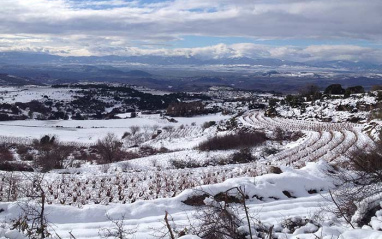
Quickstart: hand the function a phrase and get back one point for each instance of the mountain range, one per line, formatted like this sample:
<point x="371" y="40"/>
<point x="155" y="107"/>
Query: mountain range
<point x="31" y="58"/>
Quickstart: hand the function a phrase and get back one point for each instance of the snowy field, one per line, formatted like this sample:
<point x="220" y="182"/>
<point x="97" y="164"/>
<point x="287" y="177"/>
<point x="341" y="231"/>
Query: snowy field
<point x="89" y="131"/>
<point x="274" y="208"/>
<point x="82" y="201"/>
<point x="307" y="187"/>
<point x="29" y="93"/>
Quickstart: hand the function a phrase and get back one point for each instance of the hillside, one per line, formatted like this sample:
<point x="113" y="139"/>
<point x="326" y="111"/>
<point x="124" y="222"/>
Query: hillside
<point x="278" y="175"/>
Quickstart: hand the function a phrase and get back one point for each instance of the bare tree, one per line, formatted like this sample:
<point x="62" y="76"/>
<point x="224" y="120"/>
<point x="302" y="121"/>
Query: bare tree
<point x="51" y="153"/>
<point x="109" y="149"/>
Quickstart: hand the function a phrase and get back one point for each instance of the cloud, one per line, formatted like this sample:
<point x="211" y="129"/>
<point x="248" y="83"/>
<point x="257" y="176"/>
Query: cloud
<point x="82" y="45"/>
<point x="124" y="27"/>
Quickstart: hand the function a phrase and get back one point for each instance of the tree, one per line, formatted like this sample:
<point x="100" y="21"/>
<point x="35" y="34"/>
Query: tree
<point x="294" y="100"/>
<point x="354" y="90"/>
<point x="109" y="149"/>
<point x="52" y="154"/>
<point x="185" y="109"/>
<point x="311" y="92"/>
<point x="376" y="87"/>
<point x="334" y="89"/>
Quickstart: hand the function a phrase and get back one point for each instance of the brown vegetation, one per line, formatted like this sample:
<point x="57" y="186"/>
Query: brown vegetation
<point x="109" y="149"/>
<point x="233" y="141"/>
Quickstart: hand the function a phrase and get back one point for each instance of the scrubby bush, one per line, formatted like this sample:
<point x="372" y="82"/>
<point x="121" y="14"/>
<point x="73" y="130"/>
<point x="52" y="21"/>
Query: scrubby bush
<point x="270" y="151"/>
<point x="311" y="92"/>
<point x="5" y="154"/>
<point x="208" y="124"/>
<point x="294" y="100"/>
<point x="364" y="183"/>
<point x="233" y="141"/>
<point x="109" y="149"/>
<point x="181" y="164"/>
<point x="278" y="134"/>
<point x="24" y="152"/>
<point x="368" y="163"/>
<point x="243" y="156"/>
<point x="51" y="153"/>
<point x="148" y="150"/>
<point x="218" y="221"/>
<point x="134" y="129"/>
<point x="14" y="166"/>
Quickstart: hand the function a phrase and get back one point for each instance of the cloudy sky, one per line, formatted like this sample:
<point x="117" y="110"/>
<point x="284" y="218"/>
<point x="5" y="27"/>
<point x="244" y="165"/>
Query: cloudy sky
<point x="299" y="30"/>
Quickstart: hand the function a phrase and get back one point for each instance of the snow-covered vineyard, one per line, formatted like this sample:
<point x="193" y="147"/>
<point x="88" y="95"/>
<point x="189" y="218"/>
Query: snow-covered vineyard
<point x="288" y="189"/>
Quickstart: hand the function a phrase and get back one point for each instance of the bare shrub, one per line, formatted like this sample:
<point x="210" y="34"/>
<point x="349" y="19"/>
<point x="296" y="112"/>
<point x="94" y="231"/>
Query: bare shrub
<point x="368" y="164"/>
<point x="296" y="135"/>
<point x="233" y="141"/>
<point x="54" y="157"/>
<point x="12" y="184"/>
<point x="278" y="134"/>
<point x="136" y="139"/>
<point x="134" y="129"/>
<point x="218" y="221"/>
<point x="148" y="150"/>
<point x="243" y="156"/>
<point x="208" y="124"/>
<point x="51" y="153"/>
<point x="362" y="184"/>
<point x="15" y="166"/>
<point x="33" y="221"/>
<point x="219" y="216"/>
<point x="24" y="152"/>
<point x="168" y="229"/>
<point x="270" y="151"/>
<point x="84" y="155"/>
<point x="275" y="170"/>
<point x="126" y="134"/>
<point x="5" y="154"/>
<point x="118" y="229"/>
<point x="109" y="149"/>
<point x="155" y="127"/>
<point x="294" y="223"/>
<point x="191" y="163"/>
<point x="181" y="164"/>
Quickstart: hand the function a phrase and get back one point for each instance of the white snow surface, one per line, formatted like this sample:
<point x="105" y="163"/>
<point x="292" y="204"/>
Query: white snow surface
<point x="86" y="221"/>
<point x="89" y="131"/>
<point x="146" y="216"/>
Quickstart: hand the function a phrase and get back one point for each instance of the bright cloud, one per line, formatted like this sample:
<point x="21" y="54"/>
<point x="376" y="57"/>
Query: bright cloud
<point x="124" y="27"/>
